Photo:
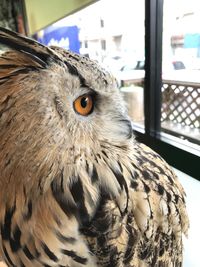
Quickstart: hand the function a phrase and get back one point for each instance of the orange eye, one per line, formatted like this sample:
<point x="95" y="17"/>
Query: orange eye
<point x="83" y="105"/>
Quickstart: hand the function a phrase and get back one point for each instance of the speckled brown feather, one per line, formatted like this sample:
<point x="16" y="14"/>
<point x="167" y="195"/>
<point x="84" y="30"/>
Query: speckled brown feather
<point x="78" y="191"/>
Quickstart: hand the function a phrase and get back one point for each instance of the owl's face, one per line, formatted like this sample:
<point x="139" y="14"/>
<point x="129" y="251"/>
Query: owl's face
<point x="63" y="110"/>
<point x="87" y="106"/>
<point x="79" y="111"/>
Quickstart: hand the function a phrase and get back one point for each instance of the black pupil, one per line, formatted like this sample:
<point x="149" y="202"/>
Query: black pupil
<point x="84" y="102"/>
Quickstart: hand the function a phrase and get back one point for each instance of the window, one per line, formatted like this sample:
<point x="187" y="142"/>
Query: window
<point x="103" y="45"/>
<point x="180" y="151"/>
<point x="180" y="114"/>
<point x="102" y="23"/>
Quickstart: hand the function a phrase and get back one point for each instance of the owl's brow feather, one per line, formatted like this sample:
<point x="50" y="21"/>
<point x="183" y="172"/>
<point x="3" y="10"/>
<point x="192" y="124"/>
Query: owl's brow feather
<point x="13" y="64"/>
<point x="42" y="55"/>
<point x="31" y="48"/>
<point x="39" y="53"/>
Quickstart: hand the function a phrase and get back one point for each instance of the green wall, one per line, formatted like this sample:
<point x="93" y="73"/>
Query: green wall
<point x="41" y="13"/>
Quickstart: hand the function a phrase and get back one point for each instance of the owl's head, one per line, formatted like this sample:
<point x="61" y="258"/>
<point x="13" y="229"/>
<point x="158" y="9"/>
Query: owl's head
<point x="56" y="106"/>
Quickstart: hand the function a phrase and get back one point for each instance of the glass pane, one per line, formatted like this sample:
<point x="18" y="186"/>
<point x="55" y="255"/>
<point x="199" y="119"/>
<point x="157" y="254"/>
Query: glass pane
<point x="111" y="32"/>
<point x="181" y="69"/>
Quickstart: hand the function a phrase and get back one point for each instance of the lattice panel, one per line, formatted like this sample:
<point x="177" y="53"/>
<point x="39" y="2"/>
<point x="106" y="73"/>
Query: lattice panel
<point x="181" y="103"/>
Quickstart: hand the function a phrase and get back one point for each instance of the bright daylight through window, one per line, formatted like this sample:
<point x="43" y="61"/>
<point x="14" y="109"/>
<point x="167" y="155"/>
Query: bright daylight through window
<point x="180" y="114"/>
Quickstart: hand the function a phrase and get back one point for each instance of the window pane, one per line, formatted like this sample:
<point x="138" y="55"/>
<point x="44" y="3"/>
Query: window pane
<point x="112" y="32"/>
<point x="181" y="69"/>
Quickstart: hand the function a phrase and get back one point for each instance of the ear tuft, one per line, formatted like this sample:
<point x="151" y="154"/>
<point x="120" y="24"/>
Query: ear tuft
<point x="36" y="51"/>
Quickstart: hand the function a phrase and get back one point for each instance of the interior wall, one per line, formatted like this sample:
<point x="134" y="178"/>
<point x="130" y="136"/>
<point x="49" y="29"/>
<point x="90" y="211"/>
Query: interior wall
<point x="11" y="15"/>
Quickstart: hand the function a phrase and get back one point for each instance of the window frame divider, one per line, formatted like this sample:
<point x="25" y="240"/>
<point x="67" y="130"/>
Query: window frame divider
<point x="153" y="66"/>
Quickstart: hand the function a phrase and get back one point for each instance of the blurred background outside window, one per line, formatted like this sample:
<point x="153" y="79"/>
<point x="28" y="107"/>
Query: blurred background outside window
<point x="180" y="114"/>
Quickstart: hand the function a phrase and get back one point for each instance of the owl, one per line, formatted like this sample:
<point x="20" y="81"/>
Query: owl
<point x="76" y="188"/>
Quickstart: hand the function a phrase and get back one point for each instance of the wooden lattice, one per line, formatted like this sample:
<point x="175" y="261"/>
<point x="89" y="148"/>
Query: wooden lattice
<point x="181" y="103"/>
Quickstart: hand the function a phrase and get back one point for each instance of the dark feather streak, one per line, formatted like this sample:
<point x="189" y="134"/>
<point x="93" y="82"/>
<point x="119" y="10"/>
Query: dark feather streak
<point x="74" y="256"/>
<point x="49" y="253"/>
<point x="78" y="195"/>
<point x="66" y="239"/>
<point x="15" y="240"/>
<point x="6" y="227"/>
<point x="67" y="207"/>
<point x="8" y="259"/>
<point x="28" y="253"/>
